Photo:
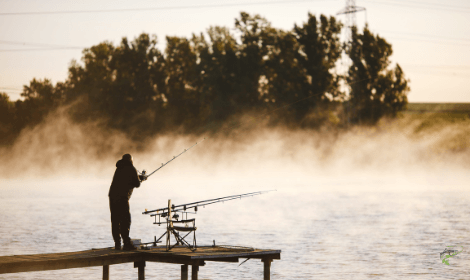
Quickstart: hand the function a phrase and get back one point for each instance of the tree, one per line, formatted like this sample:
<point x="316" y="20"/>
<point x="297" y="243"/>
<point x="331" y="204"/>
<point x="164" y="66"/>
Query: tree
<point x="125" y="84"/>
<point x="39" y="99"/>
<point x="182" y="88"/>
<point x="137" y="86"/>
<point x="299" y="68"/>
<point x="257" y="38"/>
<point x="90" y="83"/>
<point x="319" y="50"/>
<point x="285" y="78"/>
<point x="7" y="118"/>
<point x="376" y="90"/>
<point x="219" y="70"/>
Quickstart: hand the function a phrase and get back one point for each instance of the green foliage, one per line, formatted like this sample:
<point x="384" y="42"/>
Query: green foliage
<point x="319" y="50"/>
<point x="376" y="90"/>
<point x="121" y="84"/>
<point x="181" y="93"/>
<point x="7" y="117"/>
<point x="257" y="37"/>
<point x="198" y="84"/>
<point x="220" y="73"/>
<point x="40" y="98"/>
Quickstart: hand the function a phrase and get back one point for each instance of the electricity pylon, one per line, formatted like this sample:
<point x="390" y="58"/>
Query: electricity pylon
<point x="350" y="11"/>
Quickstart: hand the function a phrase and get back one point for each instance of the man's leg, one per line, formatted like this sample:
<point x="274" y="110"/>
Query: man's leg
<point x="115" y="222"/>
<point x="126" y="225"/>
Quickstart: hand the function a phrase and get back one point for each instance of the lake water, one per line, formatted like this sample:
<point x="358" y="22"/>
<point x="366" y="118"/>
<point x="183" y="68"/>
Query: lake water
<point x="332" y="233"/>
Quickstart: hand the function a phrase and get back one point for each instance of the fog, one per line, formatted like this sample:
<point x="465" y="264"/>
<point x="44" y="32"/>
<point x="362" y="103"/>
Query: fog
<point x="398" y="189"/>
<point x="409" y="153"/>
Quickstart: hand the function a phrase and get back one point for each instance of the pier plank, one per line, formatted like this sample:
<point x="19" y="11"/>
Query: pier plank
<point x="109" y="256"/>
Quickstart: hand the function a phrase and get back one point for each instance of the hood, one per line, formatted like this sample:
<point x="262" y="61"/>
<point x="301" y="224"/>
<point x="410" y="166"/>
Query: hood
<point x="122" y="163"/>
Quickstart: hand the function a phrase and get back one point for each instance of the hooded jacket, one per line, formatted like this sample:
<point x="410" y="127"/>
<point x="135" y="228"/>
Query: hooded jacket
<point x="124" y="181"/>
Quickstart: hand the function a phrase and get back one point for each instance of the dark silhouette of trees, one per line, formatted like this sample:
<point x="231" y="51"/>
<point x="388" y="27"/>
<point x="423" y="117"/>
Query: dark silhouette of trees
<point x="220" y="74"/>
<point x="308" y="60"/>
<point x="125" y="84"/>
<point x="40" y="98"/>
<point x="376" y="90"/>
<point x="182" y="87"/>
<point x="257" y="38"/>
<point x="7" y="118"/>
<point x="201" y="83"/>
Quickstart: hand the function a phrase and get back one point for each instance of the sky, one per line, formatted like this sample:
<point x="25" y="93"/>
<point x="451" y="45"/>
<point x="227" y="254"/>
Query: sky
<point x="39" y="39"/>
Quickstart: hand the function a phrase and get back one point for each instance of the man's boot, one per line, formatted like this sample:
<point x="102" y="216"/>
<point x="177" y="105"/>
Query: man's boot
<point x="117" y="245"/>
<point x="128" y="246"/>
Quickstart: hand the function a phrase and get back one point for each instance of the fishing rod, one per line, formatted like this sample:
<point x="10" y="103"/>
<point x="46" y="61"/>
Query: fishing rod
<point x="188" y="228"/>
<point x="195" y="205"/>
<point x="144" y="176"/>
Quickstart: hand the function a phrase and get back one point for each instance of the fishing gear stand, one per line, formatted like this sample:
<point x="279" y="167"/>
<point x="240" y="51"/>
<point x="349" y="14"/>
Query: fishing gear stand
<point x="180" y="233"/>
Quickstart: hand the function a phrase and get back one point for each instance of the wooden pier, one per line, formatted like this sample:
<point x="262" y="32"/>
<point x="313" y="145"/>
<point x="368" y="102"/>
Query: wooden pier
<point x="109" y="256"/>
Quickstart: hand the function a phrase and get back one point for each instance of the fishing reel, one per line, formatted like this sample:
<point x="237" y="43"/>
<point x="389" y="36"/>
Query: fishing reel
<point x="143" y="176"/>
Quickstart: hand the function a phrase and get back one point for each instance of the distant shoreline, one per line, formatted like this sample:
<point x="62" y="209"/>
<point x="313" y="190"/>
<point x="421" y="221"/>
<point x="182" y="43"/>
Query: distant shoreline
<point x="413" y="107"/>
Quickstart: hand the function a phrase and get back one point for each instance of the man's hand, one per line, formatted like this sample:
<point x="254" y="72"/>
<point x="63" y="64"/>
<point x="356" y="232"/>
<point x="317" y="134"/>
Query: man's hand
<point x="142" y="176"/>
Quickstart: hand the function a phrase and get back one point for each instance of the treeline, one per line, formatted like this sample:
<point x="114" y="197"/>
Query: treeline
<point x="200" y="83"/>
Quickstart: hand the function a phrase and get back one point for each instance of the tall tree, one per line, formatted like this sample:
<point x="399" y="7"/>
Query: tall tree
<point x="39" y="99"/>
<point x="319" y="50"/>
<point x="219" y="68"/>
<point x="90" y="83"/>
<point x="376" y="90"/>
<point x="182" y="88"/>
<point x="137" y="86"/>
<point x="120" y="83"/>
<point x="7" y="118"/>
<point x="285" y="78"/>
<point x="257" y="38"/>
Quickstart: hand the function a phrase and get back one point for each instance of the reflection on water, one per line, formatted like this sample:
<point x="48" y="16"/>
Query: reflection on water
<point x="333" y="234"/>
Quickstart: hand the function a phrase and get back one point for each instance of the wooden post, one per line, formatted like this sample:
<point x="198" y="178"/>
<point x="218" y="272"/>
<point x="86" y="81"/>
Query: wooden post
<point x="105" y="272"/>
<point x="267" y="268"/>
<point x="141" y="267"/>
<point x="169" y="224"/>
<point x="184" y="272"/>
<point x="194" y="270"/>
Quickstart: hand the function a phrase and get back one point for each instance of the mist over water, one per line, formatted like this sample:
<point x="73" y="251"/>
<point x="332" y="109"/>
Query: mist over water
<point x="350" y="204"/>
<point x="408" y="148"/>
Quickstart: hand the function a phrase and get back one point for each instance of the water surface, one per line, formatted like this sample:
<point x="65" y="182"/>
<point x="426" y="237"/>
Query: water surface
<point x="337" y="234"/>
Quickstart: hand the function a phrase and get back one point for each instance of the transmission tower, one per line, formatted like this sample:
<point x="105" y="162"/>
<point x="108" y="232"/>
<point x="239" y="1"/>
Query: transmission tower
<point x="350" y="11"/>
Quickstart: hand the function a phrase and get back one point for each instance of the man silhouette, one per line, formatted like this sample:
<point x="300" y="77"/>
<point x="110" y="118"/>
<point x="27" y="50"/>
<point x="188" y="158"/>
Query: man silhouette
<point x="125" y="180"/>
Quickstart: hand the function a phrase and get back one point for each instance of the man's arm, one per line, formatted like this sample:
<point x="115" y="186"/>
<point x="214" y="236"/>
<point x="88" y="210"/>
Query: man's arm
<point x="135" y="181"/>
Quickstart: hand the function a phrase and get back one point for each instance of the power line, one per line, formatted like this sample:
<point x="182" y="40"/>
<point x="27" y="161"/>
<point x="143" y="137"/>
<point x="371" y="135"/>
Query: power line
<point x="436" y="73"/>
<point x="422" y="6"/>
<point x="36" y="44"/>
<point x="429" y="4"/>
<point x="427" y="36"/>
<point x="158" y="8"/>
<point x="8" y="88"/>
<point x="428" y="41"/>
<point x="439" y="66"/>
<point x="47" y="49"/>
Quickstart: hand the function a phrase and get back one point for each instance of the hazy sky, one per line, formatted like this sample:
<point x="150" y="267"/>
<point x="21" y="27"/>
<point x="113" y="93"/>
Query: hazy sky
<point x="430" y="39"/>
